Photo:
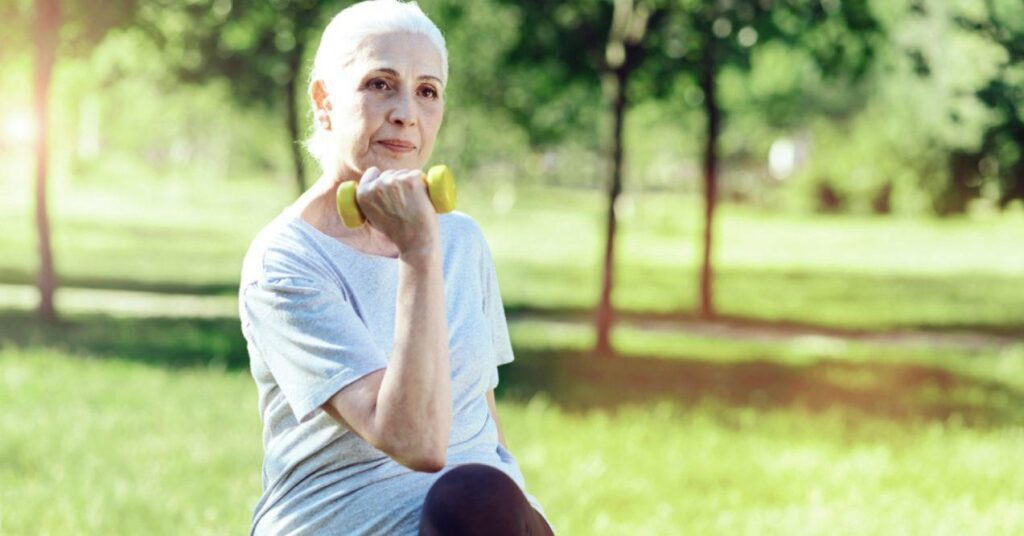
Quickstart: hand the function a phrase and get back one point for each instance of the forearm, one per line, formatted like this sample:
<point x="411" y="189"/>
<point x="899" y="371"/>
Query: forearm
<point x="414" y="405"/>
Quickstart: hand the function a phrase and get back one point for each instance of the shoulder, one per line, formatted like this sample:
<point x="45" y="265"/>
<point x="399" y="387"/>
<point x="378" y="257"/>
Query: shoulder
<point x="460" y="223"/>
<point x="280" y="249"/>
<point x="463" y="234"/>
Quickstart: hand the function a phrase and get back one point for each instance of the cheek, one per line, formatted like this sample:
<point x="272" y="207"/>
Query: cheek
<point x="432" y="121"/>
<point x="362" y="118"/>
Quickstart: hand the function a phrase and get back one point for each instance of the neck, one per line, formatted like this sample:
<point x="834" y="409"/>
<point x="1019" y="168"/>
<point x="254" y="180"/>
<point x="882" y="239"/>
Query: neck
<point x="319" y="207"/>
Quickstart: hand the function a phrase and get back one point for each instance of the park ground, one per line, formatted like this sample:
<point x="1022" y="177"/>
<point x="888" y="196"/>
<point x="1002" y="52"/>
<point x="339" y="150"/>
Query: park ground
<point x="866" y="375"/>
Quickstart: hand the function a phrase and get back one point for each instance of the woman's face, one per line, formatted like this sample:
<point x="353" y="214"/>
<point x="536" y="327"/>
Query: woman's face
<point x="385" y="107"/>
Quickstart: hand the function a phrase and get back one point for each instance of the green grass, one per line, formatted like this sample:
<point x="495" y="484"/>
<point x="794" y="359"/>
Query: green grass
<point x="713" y="470"/>
<point x="110" y="447"/>
<point x="850" y="271"/>
<point x="150" y="425"/>
<point x="135" y="415"/>
<point x="107" y="446"/>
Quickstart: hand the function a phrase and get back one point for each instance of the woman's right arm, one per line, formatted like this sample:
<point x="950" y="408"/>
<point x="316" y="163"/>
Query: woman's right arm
<point x="405" y="409"/>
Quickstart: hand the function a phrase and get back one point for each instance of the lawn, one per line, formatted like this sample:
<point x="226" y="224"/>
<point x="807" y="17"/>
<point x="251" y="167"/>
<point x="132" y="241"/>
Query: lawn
<point x="115" y="446"/>
<point x="847" y="271"/>
<point x="145" y="421"/>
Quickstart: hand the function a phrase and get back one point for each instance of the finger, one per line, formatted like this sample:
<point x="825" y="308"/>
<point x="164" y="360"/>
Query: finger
<point x="412" y="178"/>
<point x="371" y="174"/>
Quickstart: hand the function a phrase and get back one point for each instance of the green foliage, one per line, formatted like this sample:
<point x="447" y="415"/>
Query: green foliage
<point x="83" y="24"/>
<point x="256" y="45"/>
<point x="171" y="133"/>
<point x="932" y="129"/>
<point x="839" y="37"/>
<point x="999" y="163"/>
<point x="553" y="70"/>
<point x="886" y="146"/>
<point x="779" y="64"/>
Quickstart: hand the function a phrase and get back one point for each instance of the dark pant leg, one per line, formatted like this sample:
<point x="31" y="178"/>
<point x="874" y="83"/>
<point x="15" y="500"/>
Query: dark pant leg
<point x="479" y="500"/>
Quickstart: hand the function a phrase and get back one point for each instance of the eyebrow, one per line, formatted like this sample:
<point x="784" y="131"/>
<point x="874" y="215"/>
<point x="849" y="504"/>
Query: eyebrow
<point x="394" y="73"/>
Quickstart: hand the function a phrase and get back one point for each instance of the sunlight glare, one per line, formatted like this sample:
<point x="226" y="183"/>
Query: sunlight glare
<point x="19" y="127"/>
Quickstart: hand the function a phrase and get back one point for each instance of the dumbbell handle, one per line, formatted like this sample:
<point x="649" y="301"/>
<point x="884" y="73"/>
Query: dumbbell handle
<point x="440" y="185"/>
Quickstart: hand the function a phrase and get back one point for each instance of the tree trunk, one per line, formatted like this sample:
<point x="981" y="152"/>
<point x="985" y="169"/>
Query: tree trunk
<point x="292" y="116"/>
<point x="712" y="112"/>
<point x="605" y="311"/>
<point x="963" y="170"/>
<point x="1016" y="188"/>
<point x="46" y="27"/>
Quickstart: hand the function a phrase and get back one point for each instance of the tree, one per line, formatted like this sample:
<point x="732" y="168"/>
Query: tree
<point x="257" y="46"/>
<point x="1001" y="155"/>
<point x="47" y="24"/>
<point x="623" y="55"/>
<point x="652" y="45"/>
<point x="580" y="47"/>
<point x="59" y="28"/>
<point x="700" y="39"/>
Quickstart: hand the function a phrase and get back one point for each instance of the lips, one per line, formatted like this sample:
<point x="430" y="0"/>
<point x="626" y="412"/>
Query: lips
<point x="398" y="146"/>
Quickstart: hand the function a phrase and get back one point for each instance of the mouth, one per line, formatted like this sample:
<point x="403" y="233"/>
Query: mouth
<point x="397" y="146"/>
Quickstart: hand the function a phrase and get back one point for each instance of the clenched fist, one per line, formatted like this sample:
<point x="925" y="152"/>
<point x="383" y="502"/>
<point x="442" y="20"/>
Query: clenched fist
<point x="395" y="202"/>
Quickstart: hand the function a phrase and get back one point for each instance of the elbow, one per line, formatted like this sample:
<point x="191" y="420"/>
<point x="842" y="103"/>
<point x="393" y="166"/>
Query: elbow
<point x="425" y="455"/>
<point x="428" y="465"/>
<point x="424" y="461"/>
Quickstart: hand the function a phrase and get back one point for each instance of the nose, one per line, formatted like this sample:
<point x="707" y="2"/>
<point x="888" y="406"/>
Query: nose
<point x="403" y="112"/>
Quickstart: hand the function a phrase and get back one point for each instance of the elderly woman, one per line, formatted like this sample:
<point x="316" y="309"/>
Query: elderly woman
<point x="375" y="350"/>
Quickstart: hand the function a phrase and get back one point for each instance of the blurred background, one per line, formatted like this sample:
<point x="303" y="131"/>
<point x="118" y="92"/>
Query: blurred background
<point x="762" y="260"/>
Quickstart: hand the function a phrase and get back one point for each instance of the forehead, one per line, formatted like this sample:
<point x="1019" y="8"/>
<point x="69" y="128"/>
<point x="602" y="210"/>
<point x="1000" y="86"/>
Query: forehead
<point x="410" y="54"/>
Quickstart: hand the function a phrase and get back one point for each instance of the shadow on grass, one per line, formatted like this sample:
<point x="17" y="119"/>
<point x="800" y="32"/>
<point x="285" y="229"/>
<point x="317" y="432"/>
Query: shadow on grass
<point x="580" y="381"/>
<point x="830" y="302"/>
<point x="19" y="277"/>
<point x="166" y="342"/>
<point x="779" y="326"/>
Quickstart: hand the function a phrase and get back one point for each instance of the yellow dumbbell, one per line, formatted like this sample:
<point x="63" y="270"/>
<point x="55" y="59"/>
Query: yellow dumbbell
<point x="440" y="186"/>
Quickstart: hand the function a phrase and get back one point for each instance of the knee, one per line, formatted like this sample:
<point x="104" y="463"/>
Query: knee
<point x="469" y="495"/>
<point x="471" y="485"/>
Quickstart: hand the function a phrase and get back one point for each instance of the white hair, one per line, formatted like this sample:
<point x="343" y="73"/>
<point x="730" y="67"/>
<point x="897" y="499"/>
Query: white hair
<point x="342" y="38"/>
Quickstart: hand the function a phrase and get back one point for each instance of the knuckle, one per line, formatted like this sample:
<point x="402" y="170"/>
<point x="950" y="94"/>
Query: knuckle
<point x="367" y="190"/>
<point x="370" y="174"/>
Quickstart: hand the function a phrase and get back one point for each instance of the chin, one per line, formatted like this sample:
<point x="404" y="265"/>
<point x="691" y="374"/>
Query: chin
<point x="383" y="161"/>
<point x="400" y="162"/>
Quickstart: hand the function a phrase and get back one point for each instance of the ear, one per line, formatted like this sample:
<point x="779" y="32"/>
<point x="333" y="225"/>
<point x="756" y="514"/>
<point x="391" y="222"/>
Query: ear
<point x="318" y="94"/>
<point x="321" y="103"/>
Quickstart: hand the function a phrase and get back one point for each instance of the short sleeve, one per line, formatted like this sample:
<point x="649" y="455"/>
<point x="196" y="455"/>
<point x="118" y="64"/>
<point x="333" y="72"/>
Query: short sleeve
<point x="311" y="338"/>
<point x="494" y="312"/>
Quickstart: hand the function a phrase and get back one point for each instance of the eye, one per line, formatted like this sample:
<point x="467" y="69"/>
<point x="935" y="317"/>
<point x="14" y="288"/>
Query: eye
<point x="428" y="92"/>
<point x="378" y="83"/>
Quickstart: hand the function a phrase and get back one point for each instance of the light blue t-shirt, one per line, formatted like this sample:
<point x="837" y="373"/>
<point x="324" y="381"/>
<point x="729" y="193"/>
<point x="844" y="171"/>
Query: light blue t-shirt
<point x="318" y="315"/>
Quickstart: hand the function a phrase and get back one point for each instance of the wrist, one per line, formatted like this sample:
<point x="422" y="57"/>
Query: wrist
<point x="420" y="255"/>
